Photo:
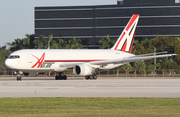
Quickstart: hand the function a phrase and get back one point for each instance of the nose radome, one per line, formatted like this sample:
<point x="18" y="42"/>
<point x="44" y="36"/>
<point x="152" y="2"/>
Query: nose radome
<point x="8" y="63"/>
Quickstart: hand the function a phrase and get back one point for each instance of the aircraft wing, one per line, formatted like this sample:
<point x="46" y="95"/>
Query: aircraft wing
<point x="117" y="61"/>
<point x="130" y="59"/>
<point x="150" y="54"/>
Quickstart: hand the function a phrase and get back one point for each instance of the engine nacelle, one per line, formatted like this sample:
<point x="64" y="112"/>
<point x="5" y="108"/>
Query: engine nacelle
<point x="31" y="74"/>
<point x="83" y="69"/>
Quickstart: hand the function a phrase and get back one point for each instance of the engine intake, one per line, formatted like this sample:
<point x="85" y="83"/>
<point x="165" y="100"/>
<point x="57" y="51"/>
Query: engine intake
<point x="83" y="70"/>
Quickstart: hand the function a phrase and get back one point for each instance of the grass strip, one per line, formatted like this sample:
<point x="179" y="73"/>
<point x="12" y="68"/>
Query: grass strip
<point x="90" y="107"/>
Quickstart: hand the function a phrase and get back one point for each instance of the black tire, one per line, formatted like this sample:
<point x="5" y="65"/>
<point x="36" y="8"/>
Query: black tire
<point x="95" y="77"/>
<point x="91" y="77"/>
<point x="87" y="77"/>
<point x="56" y="77"/>
<point x="18" y="78"/>
<point x="60" y="77"/>
<point x="64" y="77"/>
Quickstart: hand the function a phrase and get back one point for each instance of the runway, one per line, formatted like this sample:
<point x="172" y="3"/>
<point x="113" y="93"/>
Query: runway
<point x="79" y="87"/>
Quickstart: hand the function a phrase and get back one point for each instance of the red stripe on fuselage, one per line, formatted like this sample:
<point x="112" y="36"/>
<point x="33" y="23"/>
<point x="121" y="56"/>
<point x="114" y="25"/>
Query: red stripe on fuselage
<point x="71" y="60"/>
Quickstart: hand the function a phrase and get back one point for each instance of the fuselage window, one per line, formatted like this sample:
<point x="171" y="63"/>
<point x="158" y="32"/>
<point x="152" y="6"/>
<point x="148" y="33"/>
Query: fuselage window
<point x="11" y="57"/>
<point x="14" y="57"/>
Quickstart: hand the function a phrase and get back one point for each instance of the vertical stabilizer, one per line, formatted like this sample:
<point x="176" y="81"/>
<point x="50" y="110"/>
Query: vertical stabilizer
<point x="125" y="40"/>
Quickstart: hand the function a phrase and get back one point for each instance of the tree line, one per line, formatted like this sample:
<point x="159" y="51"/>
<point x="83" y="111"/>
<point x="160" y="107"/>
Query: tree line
<point x="160" y="43"/>
<point x="166" y="44"/>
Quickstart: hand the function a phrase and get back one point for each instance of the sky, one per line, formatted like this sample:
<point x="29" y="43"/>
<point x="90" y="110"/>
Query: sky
<point x="17" y="16"/>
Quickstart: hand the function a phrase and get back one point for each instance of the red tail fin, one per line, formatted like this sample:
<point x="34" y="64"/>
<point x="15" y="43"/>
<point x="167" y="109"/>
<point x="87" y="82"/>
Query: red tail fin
<point x="125" y="40"/>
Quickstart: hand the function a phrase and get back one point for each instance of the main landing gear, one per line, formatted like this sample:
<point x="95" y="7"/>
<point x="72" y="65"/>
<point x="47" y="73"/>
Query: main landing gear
<point x="60" y="76"/>
<point x="92" y="77"/>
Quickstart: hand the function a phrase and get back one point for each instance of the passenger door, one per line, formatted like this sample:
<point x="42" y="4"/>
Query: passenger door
<point x="29" y="58"/>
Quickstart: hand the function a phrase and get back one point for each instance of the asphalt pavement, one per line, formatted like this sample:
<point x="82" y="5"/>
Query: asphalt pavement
<point x="79" y="87"/>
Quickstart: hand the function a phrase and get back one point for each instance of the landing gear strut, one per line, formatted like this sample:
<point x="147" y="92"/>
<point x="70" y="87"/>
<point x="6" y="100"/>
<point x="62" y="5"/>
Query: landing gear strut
<point x="91" y="77"/>
<point x="60" y="76"/>
<point x="18" y="75"/>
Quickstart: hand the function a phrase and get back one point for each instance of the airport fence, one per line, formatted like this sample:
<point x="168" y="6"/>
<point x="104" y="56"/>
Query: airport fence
<point x="111" y="73"/>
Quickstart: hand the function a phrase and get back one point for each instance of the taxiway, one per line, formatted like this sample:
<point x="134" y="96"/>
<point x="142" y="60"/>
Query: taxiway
<point x="78" y="87"/>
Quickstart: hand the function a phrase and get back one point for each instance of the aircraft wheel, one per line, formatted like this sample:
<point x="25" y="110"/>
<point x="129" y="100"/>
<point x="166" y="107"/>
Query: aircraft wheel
<point x="91" y="77"/>
<point x="94" y="77"/>
<point x="61" y="77"/>
<point x="64" y="77"/>
<point x="18" y="78"/>
<point x="87" y="77"/>
<point x="56" y="77"/>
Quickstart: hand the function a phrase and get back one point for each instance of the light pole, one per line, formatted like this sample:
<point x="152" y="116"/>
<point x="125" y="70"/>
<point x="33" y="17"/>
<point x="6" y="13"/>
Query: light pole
<point x="49" y="44"/>
<point x="155" y="59"/>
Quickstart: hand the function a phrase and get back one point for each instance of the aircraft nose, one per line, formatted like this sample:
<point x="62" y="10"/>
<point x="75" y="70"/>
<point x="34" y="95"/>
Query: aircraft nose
<point x="8" y="63"/>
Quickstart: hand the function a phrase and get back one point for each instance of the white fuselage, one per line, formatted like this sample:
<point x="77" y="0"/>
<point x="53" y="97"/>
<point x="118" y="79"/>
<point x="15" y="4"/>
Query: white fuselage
<point x="42" y="60"/>
<point x="82" y="61"/>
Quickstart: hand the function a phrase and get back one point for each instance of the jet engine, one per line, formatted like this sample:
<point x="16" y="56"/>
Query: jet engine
<point x="83" y="69"/>
<point x="31" y="74"/>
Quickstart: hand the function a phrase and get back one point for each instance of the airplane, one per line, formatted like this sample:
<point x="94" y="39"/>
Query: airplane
<point x="83" y="62"/>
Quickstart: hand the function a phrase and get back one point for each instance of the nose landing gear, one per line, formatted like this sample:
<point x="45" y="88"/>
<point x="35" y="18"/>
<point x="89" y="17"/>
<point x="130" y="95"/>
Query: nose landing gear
<point x="18" y="78"/>
<point x="18" y="75"/>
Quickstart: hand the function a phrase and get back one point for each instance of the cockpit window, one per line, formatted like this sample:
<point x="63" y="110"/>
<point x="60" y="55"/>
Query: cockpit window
<point x="14" y="57"/>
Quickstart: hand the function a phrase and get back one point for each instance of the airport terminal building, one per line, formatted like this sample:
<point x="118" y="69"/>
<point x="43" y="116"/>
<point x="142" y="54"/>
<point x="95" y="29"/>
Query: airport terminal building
<point x="90" y="23"/>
